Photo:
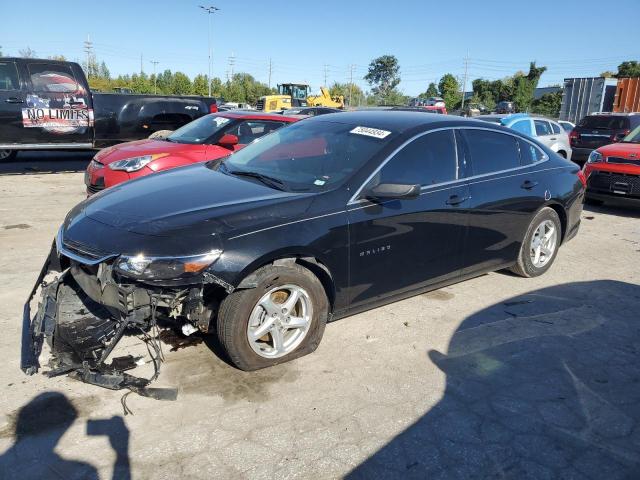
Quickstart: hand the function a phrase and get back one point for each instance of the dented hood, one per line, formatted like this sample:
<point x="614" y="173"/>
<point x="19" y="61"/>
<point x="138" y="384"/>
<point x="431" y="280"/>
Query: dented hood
<point x="179" y="207"/>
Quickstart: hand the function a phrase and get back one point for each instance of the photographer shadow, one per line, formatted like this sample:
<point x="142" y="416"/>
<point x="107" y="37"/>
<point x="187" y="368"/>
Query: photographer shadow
<point x="543" y="385"/>
<point x="40" y="425"/>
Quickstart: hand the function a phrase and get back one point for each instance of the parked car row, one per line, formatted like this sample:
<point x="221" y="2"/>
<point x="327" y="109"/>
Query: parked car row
<point x="318" y="220"/>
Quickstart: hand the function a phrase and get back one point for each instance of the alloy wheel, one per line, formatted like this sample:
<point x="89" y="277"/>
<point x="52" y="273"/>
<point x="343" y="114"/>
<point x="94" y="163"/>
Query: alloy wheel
<point x="543" y="243"/>
<point x="280" y="320"/>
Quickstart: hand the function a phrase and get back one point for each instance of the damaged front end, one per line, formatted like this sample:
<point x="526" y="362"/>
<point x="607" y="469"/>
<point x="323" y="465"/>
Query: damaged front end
<point x="87" y="306"/>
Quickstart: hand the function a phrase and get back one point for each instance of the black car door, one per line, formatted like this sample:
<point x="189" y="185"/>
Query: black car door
<point x="507" y="186"/>
<point x="402" y="244"/>
<point x="12" y="99"/>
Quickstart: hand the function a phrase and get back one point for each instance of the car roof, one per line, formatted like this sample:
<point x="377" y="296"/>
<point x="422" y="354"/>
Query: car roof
<point x="248" y="115"/>
<point x="394" y="120"/>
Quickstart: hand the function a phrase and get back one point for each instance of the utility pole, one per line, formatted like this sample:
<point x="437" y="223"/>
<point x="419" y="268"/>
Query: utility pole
<point x="141" y="67"/>
<point x="88" y="48"/>
<point x="325" y="74"/>
<point x="155" y="77"/>
<point x="464" y="83"/>
<point x="270" y="70"/>
<point x="232" y="61"/>
<point x="209" y="10"/>
<point x="351" y="67"/>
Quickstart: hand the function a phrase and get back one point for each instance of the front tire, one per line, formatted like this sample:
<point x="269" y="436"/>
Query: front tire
<point x="540" y="245"/>
<point x="281" y="319"/>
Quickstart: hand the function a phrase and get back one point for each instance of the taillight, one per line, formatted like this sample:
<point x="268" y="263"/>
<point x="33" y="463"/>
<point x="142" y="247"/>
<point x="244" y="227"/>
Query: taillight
<point x="573" y="136"/>
<point x="617" y="137"/>
<point x="583" y="179"/>
<point x="213" y="108"/>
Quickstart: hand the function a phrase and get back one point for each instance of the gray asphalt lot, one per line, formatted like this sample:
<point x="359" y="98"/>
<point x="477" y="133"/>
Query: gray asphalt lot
<point x="496" y="377"/>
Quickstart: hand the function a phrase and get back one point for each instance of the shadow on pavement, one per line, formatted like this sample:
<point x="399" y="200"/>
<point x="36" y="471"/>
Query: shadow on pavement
<point x="41" y="162"/>
<point x="40" y="425"/>
<point x="615" y="207"/>
<point x="543" y="386"/>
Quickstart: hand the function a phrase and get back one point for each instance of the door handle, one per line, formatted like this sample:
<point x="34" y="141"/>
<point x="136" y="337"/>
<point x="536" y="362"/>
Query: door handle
<point x="553" y="138"/>
<point x="14" y="100"/>
<point x="528" y="185"/>
<point x="456" y="200"/>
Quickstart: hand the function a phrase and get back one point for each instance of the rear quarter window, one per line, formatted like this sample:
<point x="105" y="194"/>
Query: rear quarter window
<point x="9" y="76"/>
<point x="491" y="151"/>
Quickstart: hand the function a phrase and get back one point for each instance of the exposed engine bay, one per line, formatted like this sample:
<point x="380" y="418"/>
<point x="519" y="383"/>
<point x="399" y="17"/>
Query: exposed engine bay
<point x="85" y="310"/>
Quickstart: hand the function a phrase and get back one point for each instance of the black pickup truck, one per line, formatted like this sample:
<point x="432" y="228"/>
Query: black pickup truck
<point x="47" y="104"/>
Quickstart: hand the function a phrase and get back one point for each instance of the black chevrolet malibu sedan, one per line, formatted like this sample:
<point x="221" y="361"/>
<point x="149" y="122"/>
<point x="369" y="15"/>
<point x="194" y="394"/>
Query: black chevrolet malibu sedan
<point x="325" y="218"/>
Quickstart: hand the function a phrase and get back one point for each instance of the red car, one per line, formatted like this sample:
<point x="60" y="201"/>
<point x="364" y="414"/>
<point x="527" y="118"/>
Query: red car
<point x="207" y="138"/>
<point x="613" y="171"/>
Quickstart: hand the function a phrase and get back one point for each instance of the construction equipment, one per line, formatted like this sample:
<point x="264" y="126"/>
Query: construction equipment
<point x="297" y="95"/>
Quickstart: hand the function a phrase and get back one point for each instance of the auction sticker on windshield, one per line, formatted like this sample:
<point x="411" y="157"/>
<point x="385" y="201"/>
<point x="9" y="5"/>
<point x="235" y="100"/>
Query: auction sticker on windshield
<point x="370" y="132"/>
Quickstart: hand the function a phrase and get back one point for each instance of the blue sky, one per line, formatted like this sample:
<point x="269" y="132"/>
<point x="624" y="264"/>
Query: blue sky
<point x="572" y="38"/>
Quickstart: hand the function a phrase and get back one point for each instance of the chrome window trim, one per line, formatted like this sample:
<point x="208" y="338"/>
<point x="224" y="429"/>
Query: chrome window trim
<point x="354" y="200"/>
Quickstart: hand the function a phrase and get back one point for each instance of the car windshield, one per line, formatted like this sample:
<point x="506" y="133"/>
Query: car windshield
<point x="309" y="156"/>
<point x="634" y="136"/>
<point x="604" y="122"/>
<point x="199" y="130"/>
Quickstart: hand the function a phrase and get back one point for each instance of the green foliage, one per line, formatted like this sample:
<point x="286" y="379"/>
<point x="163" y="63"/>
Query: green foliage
<point x="432" y="91"/>
<point x="608" y="74"/>
<point x="357" y="95"/>
<point x="384" y="77"/>
<point x="548" y="104"/>
<point x="449" y="90"/>
<point x="180" y="84"/>
<point x="629" y="68"/>
<point x="200" y="85"/>
<point x="524" y="87"/>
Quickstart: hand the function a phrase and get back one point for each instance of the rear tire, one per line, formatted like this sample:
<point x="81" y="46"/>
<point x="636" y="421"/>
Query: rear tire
<point x="537" y="254"/>
<point x="241" y="314"/>
<point x="8" y="155"/>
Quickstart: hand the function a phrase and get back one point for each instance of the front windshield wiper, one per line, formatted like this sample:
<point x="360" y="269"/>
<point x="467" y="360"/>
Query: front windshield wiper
<point x="266" y="179"/>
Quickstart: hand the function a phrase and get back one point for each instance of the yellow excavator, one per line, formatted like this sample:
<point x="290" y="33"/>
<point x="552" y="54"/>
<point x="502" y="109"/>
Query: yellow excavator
<point x="292" y="95"/>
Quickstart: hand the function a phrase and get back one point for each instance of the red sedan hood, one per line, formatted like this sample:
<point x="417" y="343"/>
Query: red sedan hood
<point x="146" y="147"/>
<point x="623" y="150"/>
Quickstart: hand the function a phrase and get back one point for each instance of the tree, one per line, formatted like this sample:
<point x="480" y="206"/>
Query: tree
<point x="347" y="90"/>
<point x="61" y="58"/>
<point x="200" y="85"/>
<point x="181" y="85"/>
<point x="103" y="71"/>
<point x="384" y="76"/>
<point x="607" y="74"/>
<point x="629" y="69"/>
<point x="27" y="53"/>
<point x="449" y="90"/>
<point x="525" y="86"/>
<point x="548" y="104"/>
<point x="432" y="90"/>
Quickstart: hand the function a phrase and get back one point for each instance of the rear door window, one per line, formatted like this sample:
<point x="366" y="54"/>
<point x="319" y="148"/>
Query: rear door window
<point x="52" y="78"/>
<point x="250" y="130"/>
<point x="9" y="76"/>
<point x="555" y="127"/>
<point x="529" y="154"/>
<point x="523" y="126"/>
<point x="491" y="151"/>
<point x="428" y="160"/>
<point x="542" y="128"/>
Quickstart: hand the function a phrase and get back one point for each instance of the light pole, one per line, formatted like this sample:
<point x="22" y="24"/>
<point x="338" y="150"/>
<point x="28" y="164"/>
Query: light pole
<point x="155" y="77"/>
<point x="211" y="9"/>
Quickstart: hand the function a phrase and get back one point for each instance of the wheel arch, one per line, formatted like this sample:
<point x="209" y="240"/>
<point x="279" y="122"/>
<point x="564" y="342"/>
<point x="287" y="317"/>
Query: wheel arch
<point x="562" y="215"/>
<point x="305" y="259"/>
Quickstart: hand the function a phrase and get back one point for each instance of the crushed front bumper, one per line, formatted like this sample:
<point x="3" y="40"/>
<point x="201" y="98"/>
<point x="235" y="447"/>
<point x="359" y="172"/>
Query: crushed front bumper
<point x="82" y="332"/>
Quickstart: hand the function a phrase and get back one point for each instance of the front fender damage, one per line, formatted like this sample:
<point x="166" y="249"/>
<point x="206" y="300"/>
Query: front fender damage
<point x="83" y="314"/>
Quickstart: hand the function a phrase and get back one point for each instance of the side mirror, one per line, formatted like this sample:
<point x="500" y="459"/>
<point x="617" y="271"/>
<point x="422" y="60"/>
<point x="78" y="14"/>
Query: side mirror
<point x="385" y="191"/>
<point x="228" y="140"/>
